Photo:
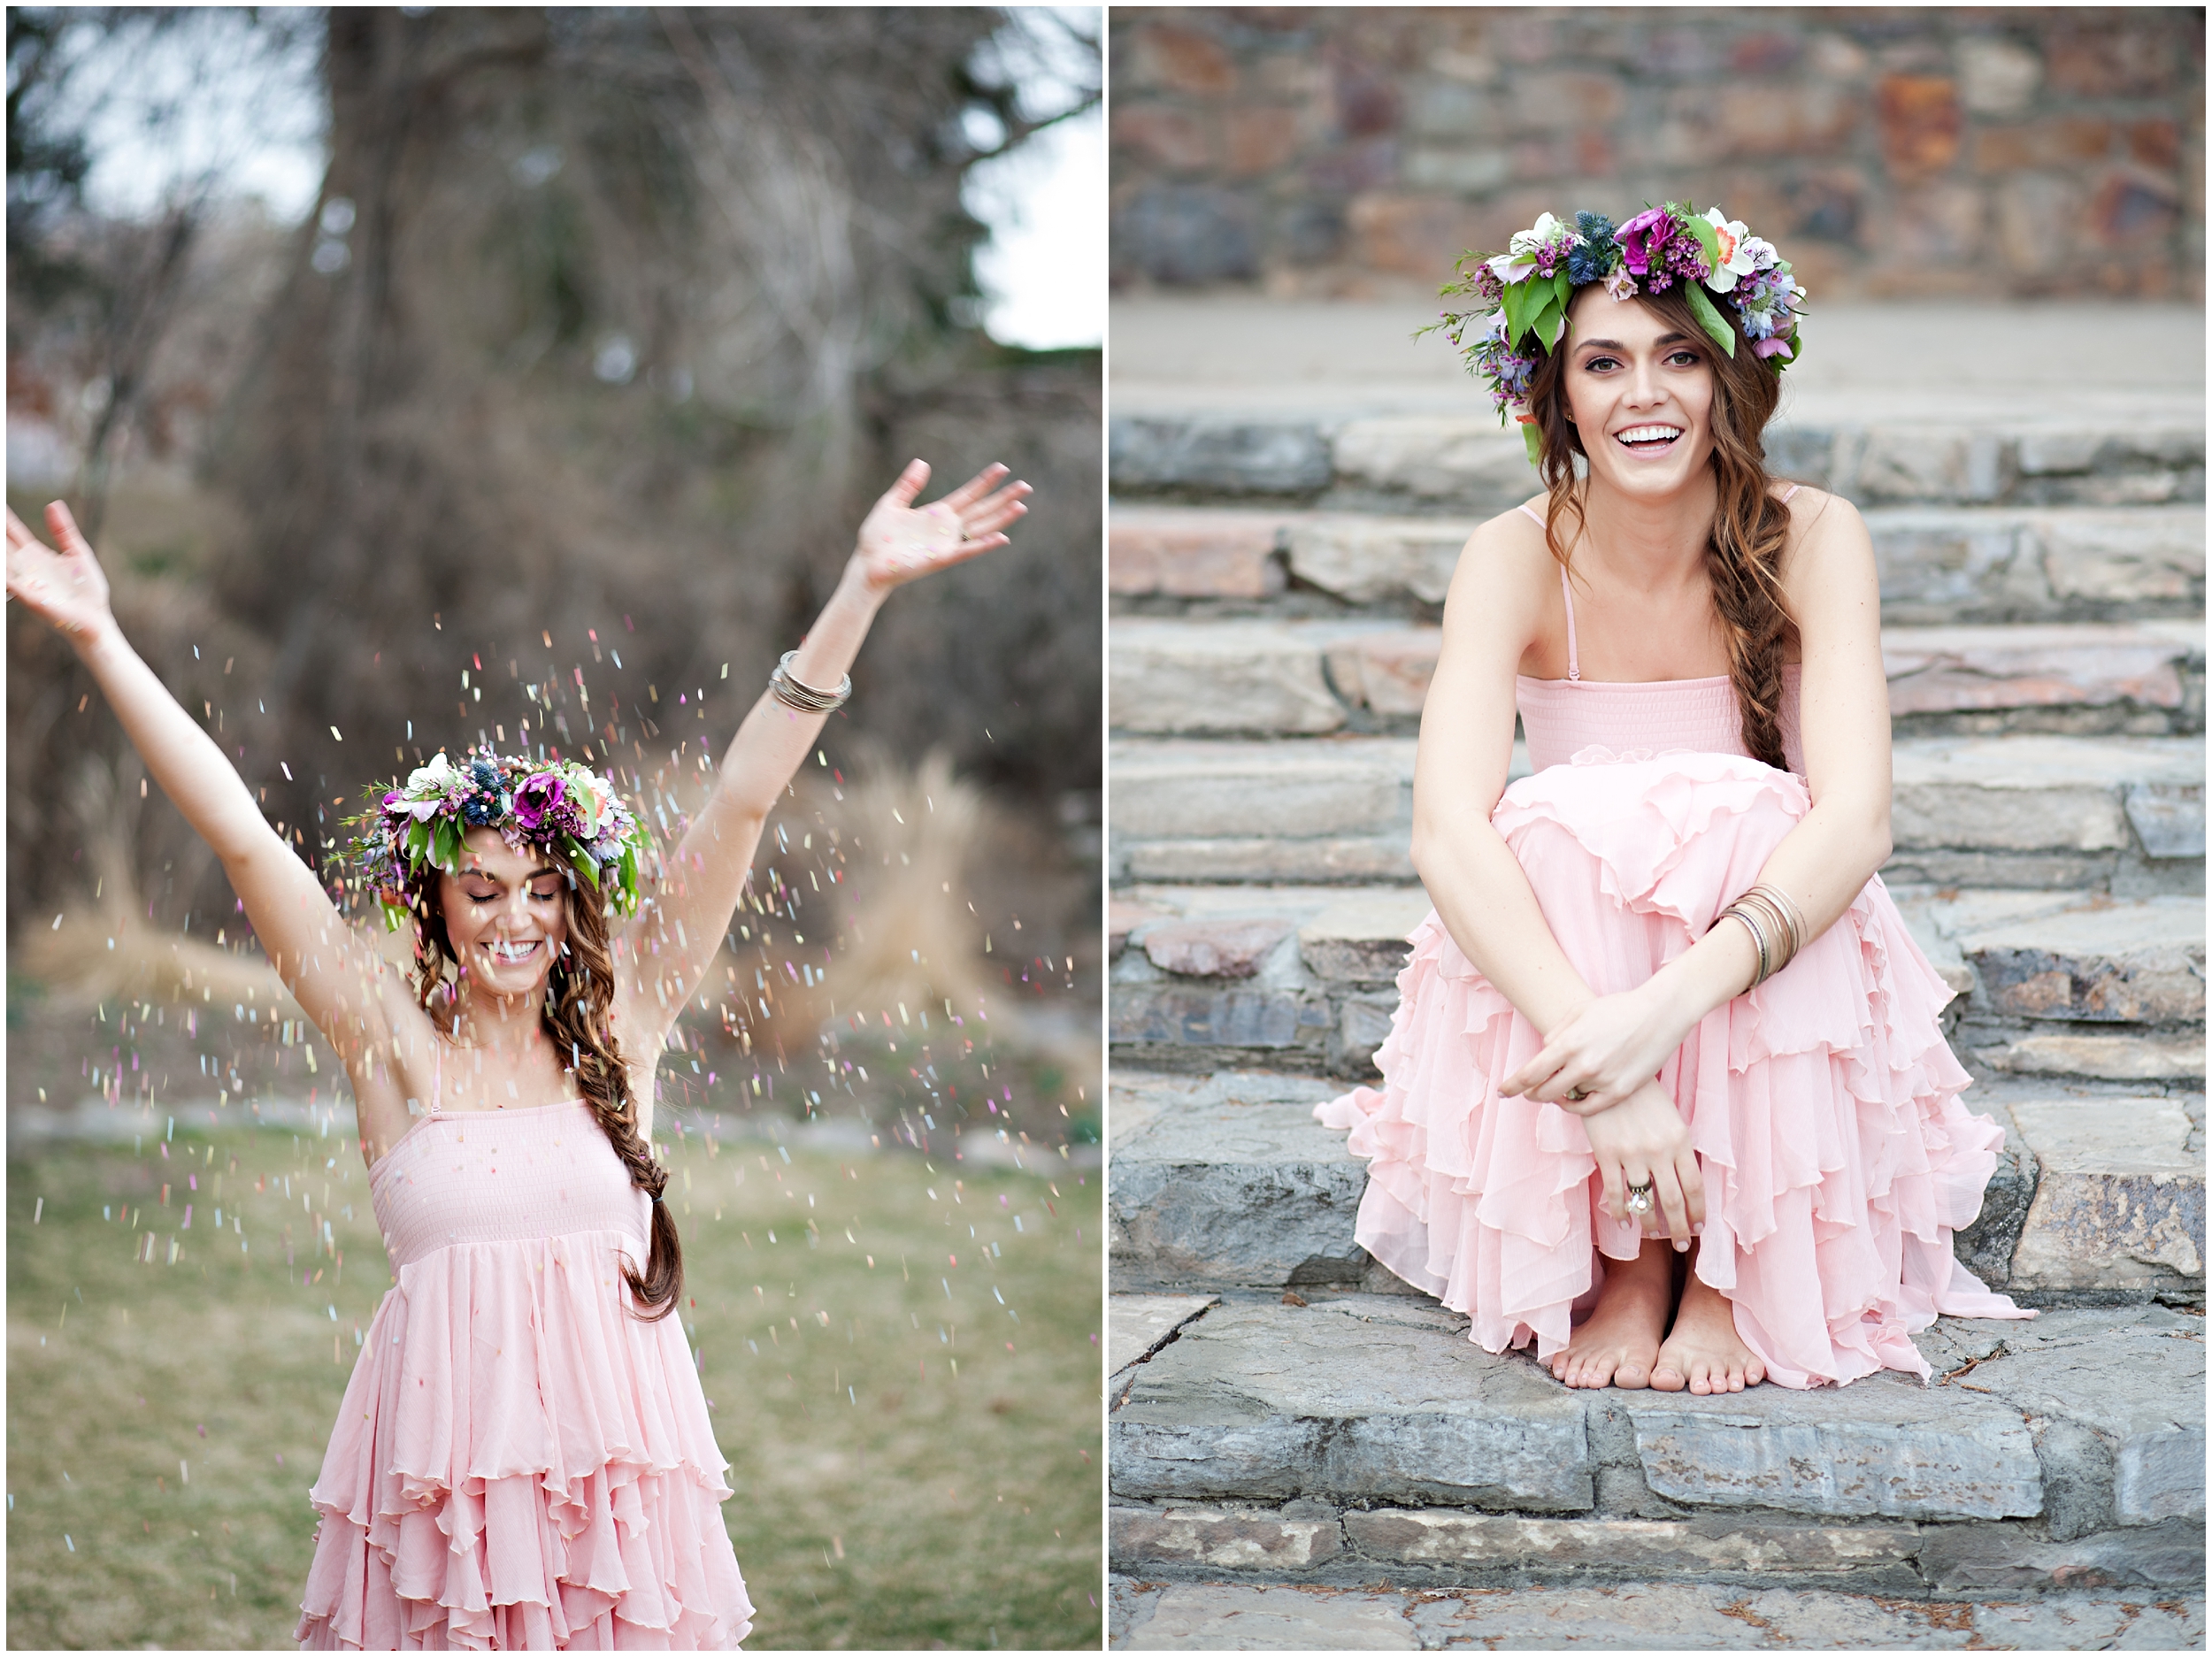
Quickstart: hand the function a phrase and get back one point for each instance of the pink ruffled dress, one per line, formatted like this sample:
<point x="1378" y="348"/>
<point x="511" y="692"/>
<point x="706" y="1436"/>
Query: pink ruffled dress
<point x="1824" y="1105"/>
<point x="520" y="1462"/>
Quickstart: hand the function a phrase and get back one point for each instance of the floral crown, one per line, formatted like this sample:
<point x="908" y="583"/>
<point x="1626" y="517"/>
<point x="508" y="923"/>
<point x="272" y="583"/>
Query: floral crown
<point x="569" y="810"/>
<point x="1524" y="291"/>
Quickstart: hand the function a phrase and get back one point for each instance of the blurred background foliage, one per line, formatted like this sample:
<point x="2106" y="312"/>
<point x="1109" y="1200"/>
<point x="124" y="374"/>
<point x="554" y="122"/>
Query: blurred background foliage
<point x="605" y="327"/>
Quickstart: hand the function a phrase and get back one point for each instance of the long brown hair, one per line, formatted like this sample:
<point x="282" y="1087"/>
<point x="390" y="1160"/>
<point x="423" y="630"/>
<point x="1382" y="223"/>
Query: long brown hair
<point x="1743" y="551"/>
<point x="577" y="1019"/>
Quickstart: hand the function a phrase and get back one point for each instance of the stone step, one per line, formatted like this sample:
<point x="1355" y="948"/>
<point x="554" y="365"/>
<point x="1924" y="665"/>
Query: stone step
<point x="2143" y="1602"/>
<point x="2050" y="985"/>
<point x="2042" y="812"/>
<point x="2048" y="964"/>
<point x="1225" y="1181"/>
<point x="1938" y="565"/>
<point x="1466" y="463"/>
<point x="1270" y="676"/>
<point x="1363" y="1435"/>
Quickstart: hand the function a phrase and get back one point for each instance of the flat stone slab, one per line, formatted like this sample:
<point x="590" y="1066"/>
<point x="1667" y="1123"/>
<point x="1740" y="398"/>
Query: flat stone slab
<point x="1141" y="1538"/>
<point x="1360" y="937"/>
<point x="2027" y="793"/>
<point x="1652" y="1616"/>
<point x="1365" y="1397"/>
<point x="2119" y="1203"/>
<point x="1193" y="554"/>
<point x="2133" y="963"/>
<point x="1205" y="1618"/>
<point x="1959" y="669"/>
<point x="2126" y="1058"/>
<point x="1497" y="1543"/>
<point x="1227" y="1192"/>
<point x="1187" y="789"/>
<point x="2091" y="1419"/>
<point x="1362" y="559"/>
<point x="2061" y="955"/>
<point x="1173" y="677"/>
<point x="1946" y="564"/>
<point x="2133" y="1375"/>
<point x="1882" y="1446"/>
<point x="1138" y="1324"/>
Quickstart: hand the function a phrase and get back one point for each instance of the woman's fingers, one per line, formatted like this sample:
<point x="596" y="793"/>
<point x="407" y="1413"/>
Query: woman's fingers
<point x="995" y="513"/>
<point x="1613" y="1198"/>
<point x="1524" y="1081"/>
<point x="909" y="483"/>
<point x="1692" y="1179"/>
<point x="66" y="534"/>
<point x="1667" y="1188"/>
<point x="975" y="487"/>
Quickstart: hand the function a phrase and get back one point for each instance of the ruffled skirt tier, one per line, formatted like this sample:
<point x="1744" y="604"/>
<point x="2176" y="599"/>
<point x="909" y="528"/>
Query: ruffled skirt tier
<point x="520" y="1462"/>
<point x="1824" y="1105"/>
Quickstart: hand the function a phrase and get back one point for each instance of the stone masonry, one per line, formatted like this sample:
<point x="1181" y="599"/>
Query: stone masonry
<point x="1891" y="152"/>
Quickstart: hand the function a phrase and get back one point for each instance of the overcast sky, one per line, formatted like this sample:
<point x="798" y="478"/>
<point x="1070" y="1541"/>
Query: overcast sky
<point x="220" y="97"/>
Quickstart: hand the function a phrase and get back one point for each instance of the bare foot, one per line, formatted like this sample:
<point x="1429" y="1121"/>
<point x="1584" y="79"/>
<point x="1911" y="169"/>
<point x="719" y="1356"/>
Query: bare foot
<point x="1618" y="1342"/>
<point x="1703" y="1351"/>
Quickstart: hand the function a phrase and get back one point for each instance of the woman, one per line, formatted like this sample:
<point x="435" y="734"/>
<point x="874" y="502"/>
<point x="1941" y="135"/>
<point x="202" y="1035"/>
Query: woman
<point x="1610" y="1119"/>
<point x="523" y="1457"/>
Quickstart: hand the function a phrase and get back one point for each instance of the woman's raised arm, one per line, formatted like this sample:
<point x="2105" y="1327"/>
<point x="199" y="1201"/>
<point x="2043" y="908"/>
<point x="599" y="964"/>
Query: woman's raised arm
<point x="898" y="542"/>
<point x="339" y="982"/>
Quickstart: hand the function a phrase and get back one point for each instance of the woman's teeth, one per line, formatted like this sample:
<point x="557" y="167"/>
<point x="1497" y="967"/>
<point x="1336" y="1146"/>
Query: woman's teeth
<point x="513" y="952"/>
<point x="1650" y="436"/>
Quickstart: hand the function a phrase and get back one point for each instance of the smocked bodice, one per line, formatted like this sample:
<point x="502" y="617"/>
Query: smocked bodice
<point x="504" y="1177"/>
<point x="1561" y="717"/>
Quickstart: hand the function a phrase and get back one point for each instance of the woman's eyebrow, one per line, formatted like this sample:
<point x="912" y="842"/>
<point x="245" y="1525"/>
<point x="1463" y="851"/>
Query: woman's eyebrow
<point x="1614" y="345"/>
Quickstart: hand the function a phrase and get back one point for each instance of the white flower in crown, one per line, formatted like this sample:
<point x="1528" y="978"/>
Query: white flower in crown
<point x="426" y="786"/>
<point x="1738" y="251"/>
<point x="1519" y="258"/>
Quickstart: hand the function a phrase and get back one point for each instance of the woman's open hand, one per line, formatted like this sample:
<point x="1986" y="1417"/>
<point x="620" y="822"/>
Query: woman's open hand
<point x="1644" y="1141"/>
<point x="68" y="587"/>
<point x="900" y="541"/>
<point x="1615" y="1044"/>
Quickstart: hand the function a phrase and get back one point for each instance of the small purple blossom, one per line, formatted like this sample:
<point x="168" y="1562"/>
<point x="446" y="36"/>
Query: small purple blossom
<point x="1643" y="236"/>
<point x="540" y="796"/>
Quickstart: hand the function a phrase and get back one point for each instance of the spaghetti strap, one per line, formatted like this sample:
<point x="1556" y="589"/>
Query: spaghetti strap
<point x="1574" y="665"/>
<point x="1787" y="492"/>
<point x="1566" y="591"/>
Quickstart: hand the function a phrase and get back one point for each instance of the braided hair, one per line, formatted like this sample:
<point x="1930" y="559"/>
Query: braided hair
<point x="577" y="1018"/>
<point x="1743" y="549"/>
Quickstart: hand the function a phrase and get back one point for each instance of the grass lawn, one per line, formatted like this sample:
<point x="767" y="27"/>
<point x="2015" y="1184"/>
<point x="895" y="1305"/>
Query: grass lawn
<point x="903" y="1365"/>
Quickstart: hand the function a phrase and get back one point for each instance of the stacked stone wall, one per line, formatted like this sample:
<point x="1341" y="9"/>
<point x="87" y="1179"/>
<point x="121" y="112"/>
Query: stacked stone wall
<point x="1892" y="153"/>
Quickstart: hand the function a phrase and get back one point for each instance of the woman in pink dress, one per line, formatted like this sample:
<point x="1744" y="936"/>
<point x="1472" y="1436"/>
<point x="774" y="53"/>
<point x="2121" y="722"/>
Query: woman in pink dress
<point x="1665" y="1091"/>
<point x="523" y="1457"/>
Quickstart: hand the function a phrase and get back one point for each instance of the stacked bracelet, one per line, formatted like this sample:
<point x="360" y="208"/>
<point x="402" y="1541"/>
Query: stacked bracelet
<point x="1776" y="926"/>
<point x="805" y="698"/>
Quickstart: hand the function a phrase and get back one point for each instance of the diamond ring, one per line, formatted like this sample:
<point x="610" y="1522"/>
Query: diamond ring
<point x="1639" y="1199"/>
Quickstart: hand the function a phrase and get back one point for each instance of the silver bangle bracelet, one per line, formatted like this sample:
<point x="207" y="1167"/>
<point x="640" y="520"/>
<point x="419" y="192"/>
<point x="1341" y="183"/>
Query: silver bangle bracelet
<point x="1758" y="939"/>
<point x="804" y="698"/>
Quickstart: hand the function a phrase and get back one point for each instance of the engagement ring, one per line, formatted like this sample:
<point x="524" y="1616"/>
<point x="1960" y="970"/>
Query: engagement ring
<point x="1639" y="1199"/>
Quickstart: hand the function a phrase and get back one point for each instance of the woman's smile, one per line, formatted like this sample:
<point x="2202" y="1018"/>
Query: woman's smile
<point x="1651" y="437"/>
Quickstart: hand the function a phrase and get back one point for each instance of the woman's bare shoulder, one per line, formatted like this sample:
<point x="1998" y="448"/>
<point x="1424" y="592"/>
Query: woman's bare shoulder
<point x="1509" y="550"/>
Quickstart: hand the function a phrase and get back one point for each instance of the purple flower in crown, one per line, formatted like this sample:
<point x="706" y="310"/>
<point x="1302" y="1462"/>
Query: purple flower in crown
<point x="539" y="797"/>
<point x="1643" y="239"/>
